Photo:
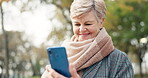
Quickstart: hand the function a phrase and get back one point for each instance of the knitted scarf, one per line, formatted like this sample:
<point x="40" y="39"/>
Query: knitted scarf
<point x="85" y="53"/>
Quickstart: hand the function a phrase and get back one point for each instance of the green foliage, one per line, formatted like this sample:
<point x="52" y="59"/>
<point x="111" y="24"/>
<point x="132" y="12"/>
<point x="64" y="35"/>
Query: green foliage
<point x="138" y="76"/>
<point x="35" y="77"/>
<point x="3" y="1"/>
<point x="129" y="20"/>
<point x="66" y="3"/>
<point x="63" y="30"/>
<point x="22" y="53"/>
<point x="16" y="51"/>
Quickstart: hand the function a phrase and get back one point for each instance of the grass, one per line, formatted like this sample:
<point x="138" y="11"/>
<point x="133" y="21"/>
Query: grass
<point x="35" y="77"/>
<point x="138" y="76"/>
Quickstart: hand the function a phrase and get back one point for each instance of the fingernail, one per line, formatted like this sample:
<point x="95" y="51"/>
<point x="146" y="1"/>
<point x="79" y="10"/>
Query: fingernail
<point x="48" y="71"/>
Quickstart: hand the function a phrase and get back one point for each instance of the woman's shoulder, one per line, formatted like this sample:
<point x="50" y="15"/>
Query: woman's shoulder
<point x="117" y="52"/>
<point x="111" y="66"/>
<point x="117" y="55"/>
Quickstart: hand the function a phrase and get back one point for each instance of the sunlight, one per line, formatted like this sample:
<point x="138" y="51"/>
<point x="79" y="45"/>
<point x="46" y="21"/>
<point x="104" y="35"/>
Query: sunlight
<point x="35" y="23"/>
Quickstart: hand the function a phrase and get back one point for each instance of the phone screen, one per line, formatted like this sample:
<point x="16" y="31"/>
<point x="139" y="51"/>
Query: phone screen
<point x="58" y="60"/>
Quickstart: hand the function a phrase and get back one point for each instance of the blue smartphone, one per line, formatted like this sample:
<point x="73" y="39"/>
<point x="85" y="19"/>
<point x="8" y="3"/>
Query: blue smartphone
<point x="58" y="60"/>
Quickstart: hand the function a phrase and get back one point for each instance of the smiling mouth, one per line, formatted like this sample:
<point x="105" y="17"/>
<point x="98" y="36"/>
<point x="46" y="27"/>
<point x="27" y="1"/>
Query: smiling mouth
<point x="85" y="34"/>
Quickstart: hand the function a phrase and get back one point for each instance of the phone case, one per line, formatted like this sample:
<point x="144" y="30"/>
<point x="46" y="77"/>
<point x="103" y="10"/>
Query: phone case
<point x="58" y="60"/>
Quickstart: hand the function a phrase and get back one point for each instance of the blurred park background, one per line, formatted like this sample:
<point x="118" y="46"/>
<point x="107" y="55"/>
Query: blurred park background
<point x="28" y="27"/>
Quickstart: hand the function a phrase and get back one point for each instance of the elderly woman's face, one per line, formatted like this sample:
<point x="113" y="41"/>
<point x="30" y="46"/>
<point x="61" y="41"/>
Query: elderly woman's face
<point x="86" y="27"/>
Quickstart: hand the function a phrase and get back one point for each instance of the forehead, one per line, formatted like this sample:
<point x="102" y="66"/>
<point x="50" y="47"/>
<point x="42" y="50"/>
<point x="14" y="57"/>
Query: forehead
<point x="87" y="17"/>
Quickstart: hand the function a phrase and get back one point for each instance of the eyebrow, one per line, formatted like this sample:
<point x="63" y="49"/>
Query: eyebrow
<point x="85" y="22"/>
<point x="89" y="21"/>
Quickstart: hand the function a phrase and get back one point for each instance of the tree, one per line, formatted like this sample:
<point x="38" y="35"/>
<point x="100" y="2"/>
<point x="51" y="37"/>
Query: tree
<point x="22" y="50"/>
<point x="22" y="53"/>
<point x="5" y="40"/>
<point x="130" y="25"/>
<point x="64" y="31"/>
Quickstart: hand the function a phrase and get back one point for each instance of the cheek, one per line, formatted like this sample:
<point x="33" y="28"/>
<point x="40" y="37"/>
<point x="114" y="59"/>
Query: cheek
<point x="93" y="30"/>
<point x="75" y="30"/>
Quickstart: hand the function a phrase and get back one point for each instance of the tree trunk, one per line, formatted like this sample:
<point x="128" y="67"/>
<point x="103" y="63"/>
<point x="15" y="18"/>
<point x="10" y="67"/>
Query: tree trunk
<point x="140" y="62"/>
<point x="140" y="65"/>
<point x="2" y="75"/>
<point x="6" y="45"/>
<point x="33" y="69"/>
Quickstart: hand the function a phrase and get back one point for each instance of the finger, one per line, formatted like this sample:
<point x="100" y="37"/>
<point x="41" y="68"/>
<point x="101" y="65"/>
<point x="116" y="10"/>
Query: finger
<point x="56" y="74"/>
<point x="53" y="72"/>
<point x="46" y="74"/>
<point x="48" y="67"/>
<point x="73" y="71"/>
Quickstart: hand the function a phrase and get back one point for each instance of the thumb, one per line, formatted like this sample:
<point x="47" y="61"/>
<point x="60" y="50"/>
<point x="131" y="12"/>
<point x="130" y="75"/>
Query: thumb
<point x="73" y="71"/>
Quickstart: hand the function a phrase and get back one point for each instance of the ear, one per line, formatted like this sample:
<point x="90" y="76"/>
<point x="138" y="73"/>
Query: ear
<point x="101" y="23"/>
<point x="102" y="20"/>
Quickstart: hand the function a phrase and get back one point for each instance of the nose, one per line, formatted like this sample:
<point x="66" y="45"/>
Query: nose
<point x="82" y="28"/>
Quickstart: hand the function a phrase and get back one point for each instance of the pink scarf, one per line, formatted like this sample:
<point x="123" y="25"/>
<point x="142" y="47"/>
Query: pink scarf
<point x="85" y="53"/>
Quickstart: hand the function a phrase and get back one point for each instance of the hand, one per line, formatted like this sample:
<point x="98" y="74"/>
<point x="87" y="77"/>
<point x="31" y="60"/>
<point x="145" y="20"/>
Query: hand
<point x="50" y="73"/>
<point x="73" y="71"/>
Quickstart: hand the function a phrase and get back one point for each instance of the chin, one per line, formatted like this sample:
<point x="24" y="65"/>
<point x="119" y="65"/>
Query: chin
<point x="84" y="39"/>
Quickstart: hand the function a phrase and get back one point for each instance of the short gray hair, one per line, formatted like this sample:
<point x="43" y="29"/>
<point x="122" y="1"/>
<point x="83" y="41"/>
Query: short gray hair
<point x="79" y="7"/>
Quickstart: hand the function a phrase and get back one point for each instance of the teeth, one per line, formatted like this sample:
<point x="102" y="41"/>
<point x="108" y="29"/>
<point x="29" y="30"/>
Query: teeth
<point x="83" y="34"/>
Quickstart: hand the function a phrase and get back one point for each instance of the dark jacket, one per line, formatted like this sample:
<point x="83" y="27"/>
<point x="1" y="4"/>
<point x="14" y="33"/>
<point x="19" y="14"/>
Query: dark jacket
<point x="115" y="65"/>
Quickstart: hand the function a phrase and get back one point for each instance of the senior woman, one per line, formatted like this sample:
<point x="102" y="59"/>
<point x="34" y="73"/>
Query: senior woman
<point x="90" y="51"/>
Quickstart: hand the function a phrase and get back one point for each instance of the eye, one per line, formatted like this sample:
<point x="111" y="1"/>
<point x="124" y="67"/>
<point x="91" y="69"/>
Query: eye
<point x="77" y="24"/>
<point x="88" y="24"/>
